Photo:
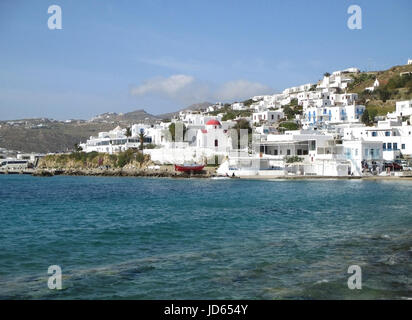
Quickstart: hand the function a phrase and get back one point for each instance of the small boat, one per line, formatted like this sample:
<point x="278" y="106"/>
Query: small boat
<point x="220" y="178"/>
<point x="189" y="167"/>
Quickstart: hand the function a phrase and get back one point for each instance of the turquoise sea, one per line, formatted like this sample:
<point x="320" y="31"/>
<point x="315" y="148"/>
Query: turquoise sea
<point x="136" y="238"/>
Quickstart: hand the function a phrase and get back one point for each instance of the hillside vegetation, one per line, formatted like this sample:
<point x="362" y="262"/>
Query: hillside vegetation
<point x="395" y="84"/>
<point x="93" y="160"/>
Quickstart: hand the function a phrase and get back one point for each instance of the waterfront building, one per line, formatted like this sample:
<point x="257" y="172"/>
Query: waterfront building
<point x="214" y="137"/>
<point x="113" y="141"/>
<point x="394" y="136"/>
<point x="308" y="152"/>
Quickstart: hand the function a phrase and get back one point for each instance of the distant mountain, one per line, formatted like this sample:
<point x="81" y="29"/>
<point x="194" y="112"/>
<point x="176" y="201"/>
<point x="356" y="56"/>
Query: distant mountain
<point x="127" y="118"/>
<point x="47" y="135"/>
<point x="194" y="107"/>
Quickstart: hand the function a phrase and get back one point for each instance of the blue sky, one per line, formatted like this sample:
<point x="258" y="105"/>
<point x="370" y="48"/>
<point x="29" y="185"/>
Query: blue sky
<point x="163" y="55"/>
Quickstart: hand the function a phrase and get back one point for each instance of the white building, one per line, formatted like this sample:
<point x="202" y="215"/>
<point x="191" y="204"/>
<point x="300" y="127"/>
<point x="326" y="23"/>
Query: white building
<point x="318" y="116"/>
<point x="195" y="118"/>
<point x="403" y="109"/>
<point x="268" y="116"/>
<point x="311" y="153"/>
<point x="113" y="141"/>
<point x="238" y="106"/>
<point x="335" y="81"/>
<point x="375" y="85"/>
<point x="363" y="155"/>
<point x="214" y="137"/>
<point x="394" y="136"/>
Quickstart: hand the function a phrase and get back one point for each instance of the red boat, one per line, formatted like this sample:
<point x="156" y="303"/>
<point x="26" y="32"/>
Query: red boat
<point x="189" y="167"/>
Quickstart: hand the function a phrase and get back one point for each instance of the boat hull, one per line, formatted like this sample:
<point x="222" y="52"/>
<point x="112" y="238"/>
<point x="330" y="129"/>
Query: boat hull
<point x="183" y="168"/>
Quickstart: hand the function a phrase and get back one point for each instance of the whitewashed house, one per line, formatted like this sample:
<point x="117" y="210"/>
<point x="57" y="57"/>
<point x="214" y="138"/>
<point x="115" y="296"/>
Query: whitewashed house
<point x="394" y="136"/>
<point x="214" y="137"/>
<point x="318" y="116"/>
<point x="239" y="106"/>
<point x="112" y="142"/>
<point x="403" y="109"/>
<point x="268" y="116"/>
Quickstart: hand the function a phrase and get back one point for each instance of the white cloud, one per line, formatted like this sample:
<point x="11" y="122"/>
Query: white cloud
<point x="167" y="86"/>
<point x="186" y="89"/>
<point x="241" y="89"/>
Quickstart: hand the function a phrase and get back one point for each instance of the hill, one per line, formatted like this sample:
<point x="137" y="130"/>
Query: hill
<point x="126" y="118"/>
<point x="395" y="84"/>
<point x="48" y="135"/>
<point x="194" y="107"/>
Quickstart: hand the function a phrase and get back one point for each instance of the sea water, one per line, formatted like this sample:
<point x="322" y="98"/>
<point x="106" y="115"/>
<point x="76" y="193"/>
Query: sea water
<point x="140" y="238"/>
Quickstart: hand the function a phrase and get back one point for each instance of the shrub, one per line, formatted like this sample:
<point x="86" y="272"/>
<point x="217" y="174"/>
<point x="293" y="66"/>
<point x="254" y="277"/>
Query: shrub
<point x="125" y="157"/>
<point x="229" y="116"/>
<point x="293" y="159"/>
<point x="365" y="117"/>
<point x="289" y="125"/>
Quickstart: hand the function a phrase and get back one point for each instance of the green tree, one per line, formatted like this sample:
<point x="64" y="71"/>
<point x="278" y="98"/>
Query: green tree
<point x="384" y="94"/>
<point x="372" y="114"/>
<point x="77" y="148"/>
<point x="172" y="130"/>
<point x="365" y="117"/>
<point x="128" y="132"/>
<point x="248" y="102"/>
<point x="242" y="124"/>
<point x="289" y="125"/>
<point x="229" y="116"/>
<point x="142" y="135"/>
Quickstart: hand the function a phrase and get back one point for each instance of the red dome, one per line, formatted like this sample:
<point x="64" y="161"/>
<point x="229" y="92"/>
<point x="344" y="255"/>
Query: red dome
<point x="213" y="122"/>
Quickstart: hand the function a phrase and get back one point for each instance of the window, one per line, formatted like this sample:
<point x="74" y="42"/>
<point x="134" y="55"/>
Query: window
<point x="366" y="152"/>
<point x="312" y="145"/>
<point x="374" y="133"/>
<point x="395" y="146"/>
<point x="389" y="146"/>
<point x="275" y="152"/>
<point x="288" y="152"/>
<point x="387" y="133"/>
<point x="384" y="146"/>
<point x="216" y="143"/>
<point x="403" y="146"/>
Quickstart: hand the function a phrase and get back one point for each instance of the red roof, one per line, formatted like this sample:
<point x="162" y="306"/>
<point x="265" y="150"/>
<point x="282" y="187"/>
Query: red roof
<point x="213" y="122"/>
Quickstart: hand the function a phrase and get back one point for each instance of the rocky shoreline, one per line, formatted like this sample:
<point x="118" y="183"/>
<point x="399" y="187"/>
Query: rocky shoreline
<point x="169" y="172"/>
<point x="164" y="173"/>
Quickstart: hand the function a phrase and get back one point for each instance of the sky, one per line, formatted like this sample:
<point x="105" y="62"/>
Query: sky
<point x="161" y="56"/>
